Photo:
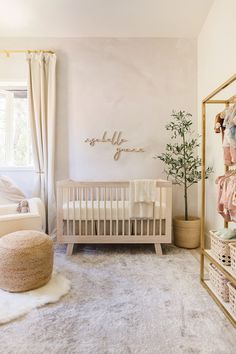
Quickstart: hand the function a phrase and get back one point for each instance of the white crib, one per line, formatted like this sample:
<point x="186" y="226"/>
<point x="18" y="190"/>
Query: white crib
<point x="98" y="212"/>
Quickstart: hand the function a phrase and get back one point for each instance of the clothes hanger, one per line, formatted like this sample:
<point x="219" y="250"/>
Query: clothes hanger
<point x="230" y="173"/>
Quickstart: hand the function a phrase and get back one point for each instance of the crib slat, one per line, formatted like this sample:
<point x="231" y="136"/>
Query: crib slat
<point x="129" y="226"/>
<point x="73" y="196"/>
<point x="154" y="219"/>
<point x="68" y="210"/>
<point x="123" y="211"/>
<point x="111" y="211"/>
<point x="77" y="201"/>
<point x="86" y="210"/>
<point x="168" y="215"/>
<point x="98" y="197"/>
<point x="92" y="198"/>
<point x="80" y="213"/>
<point x="117" y="213"/>
<point x="160" y="212"/>
<point x="60" y="216"/>
<point x="105" y="210"/>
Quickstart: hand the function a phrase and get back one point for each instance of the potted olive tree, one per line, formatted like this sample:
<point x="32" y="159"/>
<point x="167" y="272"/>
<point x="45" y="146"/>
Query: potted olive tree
<point x="183" y="165"/>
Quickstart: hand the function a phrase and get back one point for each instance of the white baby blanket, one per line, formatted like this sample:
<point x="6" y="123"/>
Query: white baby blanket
<point x="142" y="196"/>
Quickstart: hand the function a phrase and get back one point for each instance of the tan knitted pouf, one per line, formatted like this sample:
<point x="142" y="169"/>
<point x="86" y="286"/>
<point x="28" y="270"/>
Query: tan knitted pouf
<point x="26" y="260"/>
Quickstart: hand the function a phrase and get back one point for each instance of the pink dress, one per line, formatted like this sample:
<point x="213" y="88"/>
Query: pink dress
<point x="226" y="201"/>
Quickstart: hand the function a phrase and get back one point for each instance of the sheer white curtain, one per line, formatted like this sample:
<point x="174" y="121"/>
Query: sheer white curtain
<point x="42" y="100"/>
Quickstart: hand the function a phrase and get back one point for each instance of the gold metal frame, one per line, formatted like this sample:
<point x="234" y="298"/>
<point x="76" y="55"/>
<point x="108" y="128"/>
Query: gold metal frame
<point x="209" y="100"/>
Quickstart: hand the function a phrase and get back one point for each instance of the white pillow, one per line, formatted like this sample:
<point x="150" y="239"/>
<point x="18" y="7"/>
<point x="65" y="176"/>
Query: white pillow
<point x="9" y="191"/>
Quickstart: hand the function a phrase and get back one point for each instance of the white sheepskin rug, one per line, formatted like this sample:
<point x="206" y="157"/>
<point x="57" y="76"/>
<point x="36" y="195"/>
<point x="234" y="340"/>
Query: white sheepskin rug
<point x="14" y="305"/>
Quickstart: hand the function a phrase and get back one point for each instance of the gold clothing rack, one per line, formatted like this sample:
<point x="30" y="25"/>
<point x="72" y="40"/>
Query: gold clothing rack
<point x="205" y="253"/>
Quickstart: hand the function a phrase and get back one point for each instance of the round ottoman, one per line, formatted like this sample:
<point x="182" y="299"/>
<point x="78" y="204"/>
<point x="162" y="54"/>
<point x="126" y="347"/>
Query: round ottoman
<point x="26" y="260"/>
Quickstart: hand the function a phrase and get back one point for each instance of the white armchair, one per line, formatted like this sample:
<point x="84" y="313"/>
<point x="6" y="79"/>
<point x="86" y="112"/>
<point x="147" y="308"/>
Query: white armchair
<point x="11" y="220"/>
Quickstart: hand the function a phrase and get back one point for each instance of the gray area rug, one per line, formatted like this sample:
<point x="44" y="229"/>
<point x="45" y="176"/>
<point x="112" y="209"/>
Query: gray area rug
<point x="124" y="299"/>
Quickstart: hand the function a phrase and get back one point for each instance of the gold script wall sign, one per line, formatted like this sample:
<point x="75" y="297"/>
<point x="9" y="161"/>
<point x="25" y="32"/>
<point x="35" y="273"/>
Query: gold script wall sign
<point x="119" y="151"/>
<point x="115" y="140"/>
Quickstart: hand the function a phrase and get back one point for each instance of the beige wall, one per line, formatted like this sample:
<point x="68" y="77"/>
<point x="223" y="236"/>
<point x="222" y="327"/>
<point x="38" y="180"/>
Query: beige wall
<point x="128" y="85"/>
<point x="216" y="63"/>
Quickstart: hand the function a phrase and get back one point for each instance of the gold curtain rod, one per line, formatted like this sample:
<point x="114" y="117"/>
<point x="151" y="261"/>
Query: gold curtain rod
<point x="8" y="52"/>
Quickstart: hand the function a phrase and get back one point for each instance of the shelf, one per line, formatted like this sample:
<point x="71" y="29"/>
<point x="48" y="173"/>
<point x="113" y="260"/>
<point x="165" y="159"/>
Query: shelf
<point x="225" y="306"/>
<point x="225" y="269"/>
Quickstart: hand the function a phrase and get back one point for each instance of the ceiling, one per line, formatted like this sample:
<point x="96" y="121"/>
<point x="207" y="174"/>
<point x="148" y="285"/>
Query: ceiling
<point x="102" y="18"/>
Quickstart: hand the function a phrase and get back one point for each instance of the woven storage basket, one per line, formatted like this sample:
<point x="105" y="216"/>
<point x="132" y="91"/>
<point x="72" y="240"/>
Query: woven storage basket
<point x="219" y="282"/>
<point x="220" y="249"/>
<point x="232" y="296"/>
<point x="232" y="247"/>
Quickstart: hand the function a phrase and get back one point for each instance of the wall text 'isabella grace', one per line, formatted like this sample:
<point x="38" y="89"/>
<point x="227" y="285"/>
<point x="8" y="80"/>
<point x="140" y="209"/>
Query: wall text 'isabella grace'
<point x="115" y="140"/>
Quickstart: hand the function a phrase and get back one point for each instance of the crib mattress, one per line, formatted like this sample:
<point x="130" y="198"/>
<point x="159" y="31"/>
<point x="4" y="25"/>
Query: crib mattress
<point x="114" y="210"/>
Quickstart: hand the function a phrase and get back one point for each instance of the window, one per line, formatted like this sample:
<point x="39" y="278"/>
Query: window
<point x="15" y="137"/>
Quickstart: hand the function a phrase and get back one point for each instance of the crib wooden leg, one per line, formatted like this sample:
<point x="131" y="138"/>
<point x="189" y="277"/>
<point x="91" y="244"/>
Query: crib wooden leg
<point x="158" y="249"/>
<point x="69" y="249"/>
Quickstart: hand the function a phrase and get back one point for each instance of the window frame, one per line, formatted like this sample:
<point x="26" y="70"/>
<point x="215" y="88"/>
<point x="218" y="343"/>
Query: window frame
<point x="5" y="90"/>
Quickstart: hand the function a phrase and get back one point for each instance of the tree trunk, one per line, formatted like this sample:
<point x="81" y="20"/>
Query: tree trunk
<point x="185" y="183"/>
<point x="185" y="203"/>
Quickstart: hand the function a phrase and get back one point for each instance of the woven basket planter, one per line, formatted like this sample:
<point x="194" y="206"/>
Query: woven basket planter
<point x="220" y="249"/>
<point x="186" y="232"/>
<point x="232" y="296"/>
<point x="232" y="247"/>
<point x="219" y="282"/>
